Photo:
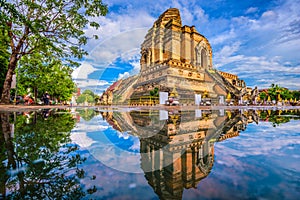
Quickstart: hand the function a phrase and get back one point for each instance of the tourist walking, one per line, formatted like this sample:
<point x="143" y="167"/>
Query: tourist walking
<point x="46" y="98"/>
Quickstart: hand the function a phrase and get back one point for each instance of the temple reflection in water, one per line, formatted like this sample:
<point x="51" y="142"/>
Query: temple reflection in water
<point x="177" y="147"/>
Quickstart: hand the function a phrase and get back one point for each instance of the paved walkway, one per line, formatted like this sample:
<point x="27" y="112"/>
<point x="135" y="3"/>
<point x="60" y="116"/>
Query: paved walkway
<point x="122" y="107"/>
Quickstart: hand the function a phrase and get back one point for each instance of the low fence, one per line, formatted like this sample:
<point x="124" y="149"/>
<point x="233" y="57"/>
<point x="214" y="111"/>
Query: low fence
<point x="144" y="101"/>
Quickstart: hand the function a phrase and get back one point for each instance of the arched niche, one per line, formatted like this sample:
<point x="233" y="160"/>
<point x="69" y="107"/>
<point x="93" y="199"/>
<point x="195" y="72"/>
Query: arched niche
<point x="205" y="157"/>
<point x="234" y="82"/>
<point x="204" y="58"/>
<point x="146" y="59"/>
<point x="202" y="55"/>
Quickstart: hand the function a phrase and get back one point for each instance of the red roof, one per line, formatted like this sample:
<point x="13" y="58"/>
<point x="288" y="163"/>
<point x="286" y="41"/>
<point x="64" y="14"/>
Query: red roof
<point x="114" y="85"/>
<point x="263" y="90"/>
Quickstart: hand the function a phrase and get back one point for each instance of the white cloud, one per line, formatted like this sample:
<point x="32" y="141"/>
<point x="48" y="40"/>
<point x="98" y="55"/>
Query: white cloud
<point x="132" y="54"/>
<point x="123" y="75"/>
<point x="223" y="37"/>
<point x="81" y="77"/>
<point x="81" y="139"/>
<point x="83" y="71"/>
<point x="135" y="70"/>
<point x="94" y="125"/>
<point x="269" y="15"/>
<point x="117" y="47"/>
<point x="136" y="145"/>
<point x="79" y="133"/>
<point x="251" y="10"/>
<point x="227" y="51"/>
<point x="91" y="83"/>
<point x="136" y="66"/>
<point x="114" y="24"/>
<point x="262" y="70"/>
<point x="200" y="14"/>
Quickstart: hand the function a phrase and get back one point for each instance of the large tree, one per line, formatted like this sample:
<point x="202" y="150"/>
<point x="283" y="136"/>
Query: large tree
<point x="53" y="28"/>
<point x="87" y="96"/>
<point x="4" y="56"/>
<point x="45" y="75"/>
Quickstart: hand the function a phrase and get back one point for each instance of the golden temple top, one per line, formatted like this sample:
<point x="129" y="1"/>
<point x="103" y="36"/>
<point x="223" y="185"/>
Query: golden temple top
<point x="170" y="14"/>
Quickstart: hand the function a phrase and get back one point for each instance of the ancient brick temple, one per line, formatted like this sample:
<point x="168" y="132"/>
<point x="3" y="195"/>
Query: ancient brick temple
<point x="177" y="58"/>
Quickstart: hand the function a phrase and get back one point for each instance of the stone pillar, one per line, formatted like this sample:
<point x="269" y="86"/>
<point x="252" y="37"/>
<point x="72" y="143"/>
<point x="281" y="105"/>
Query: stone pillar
<point x="152" y="45"/>
<point x="177" y="167"/>
<point x="152" y="158"/>
<point x="176" y="45"/>
<point x="186" y="45"/>
<point x="148" y="151"/>
<point x="158" y="45"/>
<point x="210" y="58"/>
<point x="161" y="159"/>
<point x="172" y="35"/>
<point x="167" y="44"/>
<point x="189" y="163"/>
<point x="193" y="51"/>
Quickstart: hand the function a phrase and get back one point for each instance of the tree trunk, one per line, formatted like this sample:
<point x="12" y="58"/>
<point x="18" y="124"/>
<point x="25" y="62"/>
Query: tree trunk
<point x="3" y="168"/>
<point x="6" y="130"/>
<point x="10" y="148"/>
<point x="35" y="91"/>
<point x="5" y="98"/>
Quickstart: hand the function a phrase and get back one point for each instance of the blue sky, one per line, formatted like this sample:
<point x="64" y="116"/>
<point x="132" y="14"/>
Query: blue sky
<point x="257" y="40"/>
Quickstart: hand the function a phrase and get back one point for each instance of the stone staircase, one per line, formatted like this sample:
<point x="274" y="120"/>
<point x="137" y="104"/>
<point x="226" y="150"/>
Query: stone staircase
<point x="222" y="82"/>
<point x="126" y="89"/>
<point x="228" y="125"/>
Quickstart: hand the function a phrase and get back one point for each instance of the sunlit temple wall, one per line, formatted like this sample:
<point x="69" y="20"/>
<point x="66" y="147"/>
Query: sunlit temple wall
<point x="177" y="56"/>
<point x="169" y="40"/>
<point x="173" y="55"/>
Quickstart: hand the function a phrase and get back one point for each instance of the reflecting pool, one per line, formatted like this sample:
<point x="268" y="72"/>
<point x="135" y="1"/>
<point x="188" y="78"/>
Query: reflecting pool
<point x="150" y="154"/>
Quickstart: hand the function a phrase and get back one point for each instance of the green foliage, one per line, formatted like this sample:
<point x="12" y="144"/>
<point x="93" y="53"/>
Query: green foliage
<point x="296" y="95"/>
<point x="284" y="93"/>
<point x="87" y="96"/>
<point x="96" y="98"/>
<point x="4" y="56"/>
<point x="277" y="117"/>
<point x="89" y="92"/>
<point x="263" y="95"/>
<point x="45" y="75"/>
<point x="275" y="90"/>
<point x="87" y="114"/>
<point x="52" y="28"/>
<point x="154" y="92"/>
<point x="57" y="127"/>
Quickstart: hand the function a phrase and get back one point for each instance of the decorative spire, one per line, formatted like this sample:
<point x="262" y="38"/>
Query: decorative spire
<point x="174" y="93"/>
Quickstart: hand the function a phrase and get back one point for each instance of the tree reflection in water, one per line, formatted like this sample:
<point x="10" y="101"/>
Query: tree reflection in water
<point x="36" y="160"/>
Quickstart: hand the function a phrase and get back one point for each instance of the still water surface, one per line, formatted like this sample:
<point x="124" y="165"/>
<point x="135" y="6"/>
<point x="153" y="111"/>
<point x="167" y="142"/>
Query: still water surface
<point x="156" y="154"/>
